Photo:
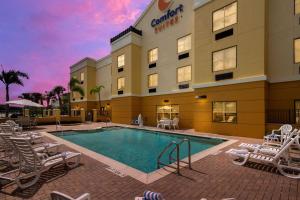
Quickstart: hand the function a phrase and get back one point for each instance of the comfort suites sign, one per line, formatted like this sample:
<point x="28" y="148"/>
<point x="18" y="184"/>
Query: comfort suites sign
<point x="170" y="16"/>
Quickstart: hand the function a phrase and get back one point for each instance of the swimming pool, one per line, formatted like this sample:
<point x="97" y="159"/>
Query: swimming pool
<point x="136" y="148"/>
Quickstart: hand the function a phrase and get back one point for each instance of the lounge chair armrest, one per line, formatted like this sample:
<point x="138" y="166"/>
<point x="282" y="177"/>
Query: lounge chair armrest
<point x="54" y="158"/>
<point x="85" y="196"/>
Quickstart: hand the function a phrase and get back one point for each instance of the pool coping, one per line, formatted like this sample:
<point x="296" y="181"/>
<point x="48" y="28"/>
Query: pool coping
<point x="143" y="177"/>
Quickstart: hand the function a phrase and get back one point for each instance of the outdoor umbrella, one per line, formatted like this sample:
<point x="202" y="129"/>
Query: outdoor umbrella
<point x="24" y="102"/>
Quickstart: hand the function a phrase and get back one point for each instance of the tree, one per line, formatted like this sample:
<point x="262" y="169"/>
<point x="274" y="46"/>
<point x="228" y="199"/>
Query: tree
<point x="74" y="88"/>
<point x="97" y="90"/>
<point x="58" y="91"/>
<point x="12" y="77"/>
<point x="48" y="97"/>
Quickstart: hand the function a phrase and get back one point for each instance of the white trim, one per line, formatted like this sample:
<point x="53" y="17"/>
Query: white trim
<point x="200" y="3"/>
<point x="177" y="91"/>
<point x="231" y="82"/>
<point x="125" y="95"/>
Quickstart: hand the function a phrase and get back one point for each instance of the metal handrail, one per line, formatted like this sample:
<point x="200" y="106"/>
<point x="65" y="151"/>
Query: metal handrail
<point x="177" y="148"/>
<point x="58" y="125"/>
<point x="189" y="152"/>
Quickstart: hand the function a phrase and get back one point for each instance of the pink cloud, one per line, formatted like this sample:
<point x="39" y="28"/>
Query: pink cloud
<point x="45" y="38"/>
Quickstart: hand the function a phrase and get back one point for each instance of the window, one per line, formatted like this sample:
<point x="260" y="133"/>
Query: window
<point x="167" y="112"/>
<point x="153" y="80"/>
<point x="225" y="17"/>
<point x="224" y="112"/>
<point x="224" y="59"/>
<point x="82" y="76"/>
<point x="184" y="74"/>
<point x="121" y="83"/>
<point x="121" y="61"/>
<point x="297" y="51"/>
<point x="297" y="7"/>
<point x="184" y="44"/>
<point x="153" y="55"/>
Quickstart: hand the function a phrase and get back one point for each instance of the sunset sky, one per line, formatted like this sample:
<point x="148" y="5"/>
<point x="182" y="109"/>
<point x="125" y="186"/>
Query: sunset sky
<point x="44" y="37"/>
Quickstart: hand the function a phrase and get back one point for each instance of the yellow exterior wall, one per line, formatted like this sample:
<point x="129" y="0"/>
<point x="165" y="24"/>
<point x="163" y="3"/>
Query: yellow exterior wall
<point x="250" y="98"/>
<point x="124" y="109"/>
<point x="249" y="37"/>
<point x="131" y="71"/>
<point x="283" y="29"/>
<point x="185" y="101"/>
<point x="282" y="96"/>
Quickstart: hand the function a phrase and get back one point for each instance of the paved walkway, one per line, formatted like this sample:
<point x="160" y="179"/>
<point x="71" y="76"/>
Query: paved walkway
<point x="213" y="177"/>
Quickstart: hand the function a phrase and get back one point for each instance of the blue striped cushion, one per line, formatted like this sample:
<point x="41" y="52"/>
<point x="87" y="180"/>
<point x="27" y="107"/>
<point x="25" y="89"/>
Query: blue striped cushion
<point x="152" y="195"/>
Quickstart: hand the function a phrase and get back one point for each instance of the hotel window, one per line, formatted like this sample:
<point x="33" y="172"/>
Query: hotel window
<point x="224" y="112"/>
<point x="184" y="44"/>
<point x="121" y="61"/>
<point x="153" y="80"/>
<point x="297" y="50"/>
<point x="82" y="77"/>
<point x="121" y="83"/>
<point x="225" y="17"/>
<point x="153" y="55"/>
<point x="184" y="74"/>
<point x="297" y="7"/>
<point x="224" y="59"/>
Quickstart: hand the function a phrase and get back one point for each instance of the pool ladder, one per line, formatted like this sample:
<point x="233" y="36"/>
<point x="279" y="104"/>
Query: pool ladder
<point x="175" y="147"/>
<point x="59" y="127"/>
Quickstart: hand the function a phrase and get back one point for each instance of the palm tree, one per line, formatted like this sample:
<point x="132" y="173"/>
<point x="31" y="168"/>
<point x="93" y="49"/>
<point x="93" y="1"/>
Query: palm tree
<point x="48" y="97"/>
<point x="97" y="90"/>
<point x="58" y="91"/>
<point x="11" y="77"/>
<point x="74" y="88"/>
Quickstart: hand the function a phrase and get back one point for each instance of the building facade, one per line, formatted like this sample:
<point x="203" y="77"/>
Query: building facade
<point x="223" y="66"/>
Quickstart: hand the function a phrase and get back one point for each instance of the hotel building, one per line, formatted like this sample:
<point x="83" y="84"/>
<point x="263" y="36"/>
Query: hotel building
<point x="222" y="66"/>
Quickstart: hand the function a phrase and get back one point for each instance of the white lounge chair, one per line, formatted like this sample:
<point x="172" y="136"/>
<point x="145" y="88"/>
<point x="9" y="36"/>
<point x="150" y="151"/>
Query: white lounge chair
<point x="35" y="137"/>
<point x="266" y="148"/>
<point x="274" y="137"/>
<point x="281" y="160"/>
<point x="35" y="165"/>
<point x="14" y="125"/>
<point x="60" y="196"/>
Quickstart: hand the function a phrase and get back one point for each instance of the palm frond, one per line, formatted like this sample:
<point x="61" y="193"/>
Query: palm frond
<point x="78" y="89"/>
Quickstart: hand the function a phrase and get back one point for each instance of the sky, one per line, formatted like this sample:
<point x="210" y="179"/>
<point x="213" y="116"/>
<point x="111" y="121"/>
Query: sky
<point x="45" y="37"/>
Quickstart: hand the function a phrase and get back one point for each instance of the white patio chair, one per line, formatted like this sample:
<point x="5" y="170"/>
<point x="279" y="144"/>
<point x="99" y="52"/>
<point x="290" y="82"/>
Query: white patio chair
<point x="60" y="196"/>
<point x="33" y="165"/>
<point x="274" y="137"/>
<point x="266" y="147"/>
<point x="282" y="160"/>
<point x="175" y="123"/>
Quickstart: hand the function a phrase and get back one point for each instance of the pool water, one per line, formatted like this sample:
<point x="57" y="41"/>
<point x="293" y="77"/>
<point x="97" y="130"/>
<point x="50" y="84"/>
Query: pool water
<point x="136" y="148"/>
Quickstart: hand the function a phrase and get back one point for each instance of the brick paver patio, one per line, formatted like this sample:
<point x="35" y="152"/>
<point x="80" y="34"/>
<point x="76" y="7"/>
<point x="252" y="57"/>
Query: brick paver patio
<point x="213" y="177"/>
